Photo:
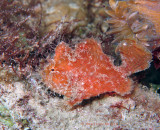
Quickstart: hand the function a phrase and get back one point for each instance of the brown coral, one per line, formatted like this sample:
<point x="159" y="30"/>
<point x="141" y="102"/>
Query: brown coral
<point x="150" y="10"/>
<point x="130" y="20"/>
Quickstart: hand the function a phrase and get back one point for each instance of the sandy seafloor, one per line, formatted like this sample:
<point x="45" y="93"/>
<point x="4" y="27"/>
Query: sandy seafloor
<point x="33" y="107"/>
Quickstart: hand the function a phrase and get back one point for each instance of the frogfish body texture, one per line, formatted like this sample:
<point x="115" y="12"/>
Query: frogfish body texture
<point x="86" y="71"/>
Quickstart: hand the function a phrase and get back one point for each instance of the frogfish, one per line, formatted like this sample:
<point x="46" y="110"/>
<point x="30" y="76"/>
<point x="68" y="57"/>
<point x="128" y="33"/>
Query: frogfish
<point x="85" y="71"/>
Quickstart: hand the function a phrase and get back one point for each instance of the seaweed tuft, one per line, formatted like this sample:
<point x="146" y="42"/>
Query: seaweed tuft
<point x="23" y="45"/>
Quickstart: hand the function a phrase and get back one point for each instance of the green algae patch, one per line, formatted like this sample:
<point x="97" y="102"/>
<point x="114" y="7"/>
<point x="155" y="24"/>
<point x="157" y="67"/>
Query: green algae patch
<point x="5" y="117"/>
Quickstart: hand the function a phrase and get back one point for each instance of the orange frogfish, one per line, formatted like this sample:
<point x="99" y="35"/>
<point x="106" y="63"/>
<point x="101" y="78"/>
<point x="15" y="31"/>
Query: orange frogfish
<point x="85" y="71"/>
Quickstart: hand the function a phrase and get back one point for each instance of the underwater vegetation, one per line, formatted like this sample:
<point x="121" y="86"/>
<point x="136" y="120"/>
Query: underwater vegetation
<point x="17" y="37"/>
<point x="5" y="116"/>
<point x="23" y="46"/>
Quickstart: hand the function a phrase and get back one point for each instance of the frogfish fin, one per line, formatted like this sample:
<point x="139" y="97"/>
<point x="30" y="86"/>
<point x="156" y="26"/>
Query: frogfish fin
<point x="135" y="57"/>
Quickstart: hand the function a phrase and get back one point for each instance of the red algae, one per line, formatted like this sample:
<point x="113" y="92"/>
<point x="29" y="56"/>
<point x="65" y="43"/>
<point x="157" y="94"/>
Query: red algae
<point x="86" y="71"/>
